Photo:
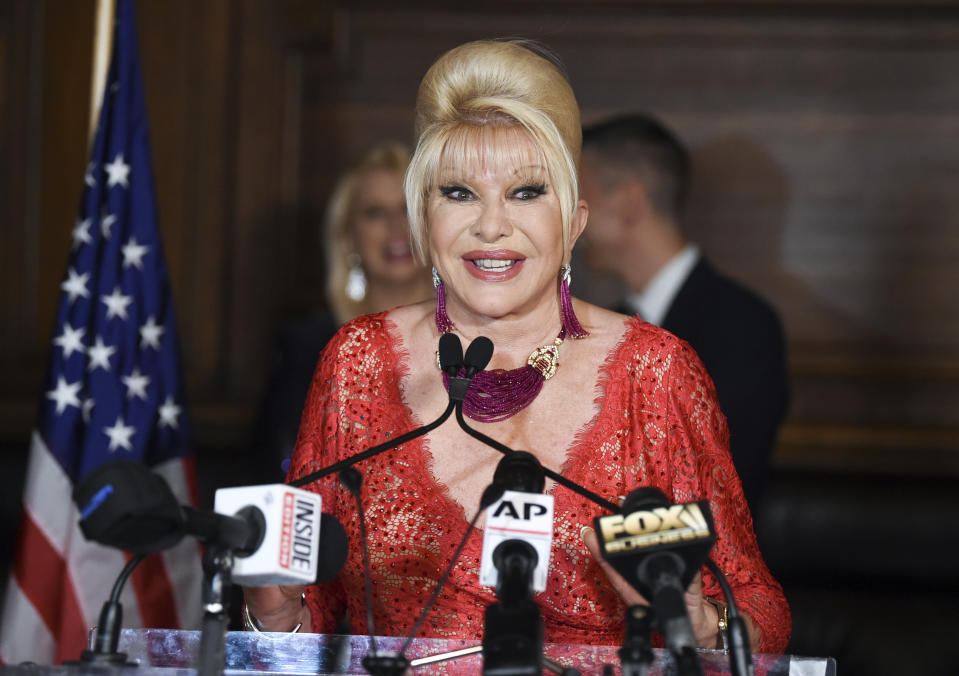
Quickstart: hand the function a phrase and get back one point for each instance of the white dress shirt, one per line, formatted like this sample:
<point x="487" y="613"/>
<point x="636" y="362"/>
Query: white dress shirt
<point x="654" y="300"/>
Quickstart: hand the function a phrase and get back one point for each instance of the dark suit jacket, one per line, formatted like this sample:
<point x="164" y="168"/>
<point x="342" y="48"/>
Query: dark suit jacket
<point x="740" y="340"/>
<point x="296" y="353"/>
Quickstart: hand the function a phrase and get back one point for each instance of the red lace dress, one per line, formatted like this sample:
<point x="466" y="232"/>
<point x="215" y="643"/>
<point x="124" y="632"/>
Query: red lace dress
<point x="659" y="424"/>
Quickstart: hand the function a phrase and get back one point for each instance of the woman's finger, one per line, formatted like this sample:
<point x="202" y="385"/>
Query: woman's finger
<point x="630" y="596"/>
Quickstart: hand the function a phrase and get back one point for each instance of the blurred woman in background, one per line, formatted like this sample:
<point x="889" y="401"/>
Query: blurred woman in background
<point x="370" y="267"/>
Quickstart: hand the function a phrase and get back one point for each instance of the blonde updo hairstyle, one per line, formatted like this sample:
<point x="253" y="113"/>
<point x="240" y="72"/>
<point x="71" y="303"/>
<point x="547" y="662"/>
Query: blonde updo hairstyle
<point x="493" y="90"/>
<point x="340" y="214"/>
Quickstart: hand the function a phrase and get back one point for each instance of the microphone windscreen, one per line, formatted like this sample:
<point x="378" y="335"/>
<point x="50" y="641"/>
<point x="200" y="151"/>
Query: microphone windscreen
<point x="644" y="498"/>
<point x="125" y="505"/>
<point x="334" y="546"/>
<point x="451" y="353"/>
<point x="478" y="354"/>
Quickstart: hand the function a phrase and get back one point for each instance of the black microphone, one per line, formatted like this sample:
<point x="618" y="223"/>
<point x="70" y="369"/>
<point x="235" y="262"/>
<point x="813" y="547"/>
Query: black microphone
<point x="125" y="505"/>
<point x="450" y="354"/>
<point x="478" y="354"/>
<point x="659" y="548"/>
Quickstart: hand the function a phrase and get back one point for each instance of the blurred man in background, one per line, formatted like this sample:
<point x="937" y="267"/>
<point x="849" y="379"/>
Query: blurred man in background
<point x="635" y="178"/>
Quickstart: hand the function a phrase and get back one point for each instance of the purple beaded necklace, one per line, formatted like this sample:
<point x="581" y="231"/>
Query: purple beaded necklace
<point x="498" y="394"/>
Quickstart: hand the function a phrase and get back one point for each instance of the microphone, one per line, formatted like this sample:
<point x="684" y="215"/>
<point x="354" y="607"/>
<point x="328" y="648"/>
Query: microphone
<point x="478" y="354"/>
<point x="523" y="514"/>
<point x="516" y="544"/>
<point x="450" y="354"/>
<point x="275" y="532"/>
<point x="124" y="505"/>
<point x="286" y="539"/>
<point x="659" y="548"/>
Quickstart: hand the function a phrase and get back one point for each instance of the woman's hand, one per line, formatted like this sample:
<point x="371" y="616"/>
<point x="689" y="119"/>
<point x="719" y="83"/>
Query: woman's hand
<point x="278" y="608"/>
<point x="702" y="614"/>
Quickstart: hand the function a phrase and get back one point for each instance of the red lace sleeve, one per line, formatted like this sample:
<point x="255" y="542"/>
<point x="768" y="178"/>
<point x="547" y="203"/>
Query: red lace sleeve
<point x="697" y="441"/>
<point x="334" y="426"/>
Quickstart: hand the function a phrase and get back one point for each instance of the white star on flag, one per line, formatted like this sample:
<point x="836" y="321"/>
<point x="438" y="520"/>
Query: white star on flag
<point x="106" y="220"/>
<point x="81" y="233"/>
<point x="71" y="340"/>
<point x="118" y="171"/>
<point x="116" y="304"/>
<point x="65" y="394"/>
<point x="169" y="413"/>
<point x="100" y="355"/>
<point x="133" y="253"/>
<point x="150" y="334"/>
<point x="136" y="384"/>
<point x="120" y="434"/>
<point x="76" y="285"/>
<point x="88" y="176"/>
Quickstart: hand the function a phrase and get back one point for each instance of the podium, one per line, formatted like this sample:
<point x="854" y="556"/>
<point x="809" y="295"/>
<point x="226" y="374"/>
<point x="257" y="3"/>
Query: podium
<point x="167" y="652"/>
<point x="162" y="650"/>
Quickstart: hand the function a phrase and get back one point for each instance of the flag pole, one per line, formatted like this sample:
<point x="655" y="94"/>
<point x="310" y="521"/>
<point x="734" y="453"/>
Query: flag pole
<point x="102" y="44"/>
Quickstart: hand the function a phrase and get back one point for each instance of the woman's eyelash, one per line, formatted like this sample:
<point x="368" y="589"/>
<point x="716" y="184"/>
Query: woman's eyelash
<point x="452" y="190"/>
<point x="536" y="190"/>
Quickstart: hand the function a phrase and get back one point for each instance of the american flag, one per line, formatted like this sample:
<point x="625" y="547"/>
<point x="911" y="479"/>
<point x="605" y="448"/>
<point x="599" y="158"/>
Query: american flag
<point x="112" y="392"/>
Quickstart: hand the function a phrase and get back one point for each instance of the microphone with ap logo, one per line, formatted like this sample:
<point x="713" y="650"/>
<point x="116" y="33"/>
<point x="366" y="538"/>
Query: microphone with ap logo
<point x="523" y="514"/>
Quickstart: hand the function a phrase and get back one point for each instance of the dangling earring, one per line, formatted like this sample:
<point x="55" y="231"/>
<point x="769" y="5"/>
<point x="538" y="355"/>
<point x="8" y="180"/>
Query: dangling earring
<point x="355" y="279"/>
<point x="571" y="324"/>
<point x="443" y="322"/>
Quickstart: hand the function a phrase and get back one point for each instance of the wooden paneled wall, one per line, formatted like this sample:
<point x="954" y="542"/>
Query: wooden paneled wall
<point x="825" y="138"/>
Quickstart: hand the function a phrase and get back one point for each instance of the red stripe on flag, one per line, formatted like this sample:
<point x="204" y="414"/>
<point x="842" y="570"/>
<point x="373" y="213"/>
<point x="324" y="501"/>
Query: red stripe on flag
<point x="43" y="576"/>
<point x="189" y="475"/>
<point x="154" y="593"/>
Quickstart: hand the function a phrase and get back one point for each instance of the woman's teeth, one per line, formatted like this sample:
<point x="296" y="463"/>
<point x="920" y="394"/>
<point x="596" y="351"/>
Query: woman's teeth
<point x="493" y="265"/>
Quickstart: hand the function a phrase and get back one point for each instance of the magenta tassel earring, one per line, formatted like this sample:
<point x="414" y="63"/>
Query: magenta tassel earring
<point x="571" y="324"/>
<point x="443" y="323"/>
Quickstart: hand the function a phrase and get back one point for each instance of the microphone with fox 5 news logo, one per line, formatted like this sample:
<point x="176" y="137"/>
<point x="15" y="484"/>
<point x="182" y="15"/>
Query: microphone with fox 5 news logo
<point x="659" y="548"/>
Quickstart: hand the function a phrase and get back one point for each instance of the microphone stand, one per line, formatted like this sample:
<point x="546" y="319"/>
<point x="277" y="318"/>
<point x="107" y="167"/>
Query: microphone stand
<point x="636" y="656"/>
<point x="740" y="657"/>
<point x="375" y="450"/>
<point x="513" y="633"/>
<point x="217" y="569"/>
<point x="104" y="651"/>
